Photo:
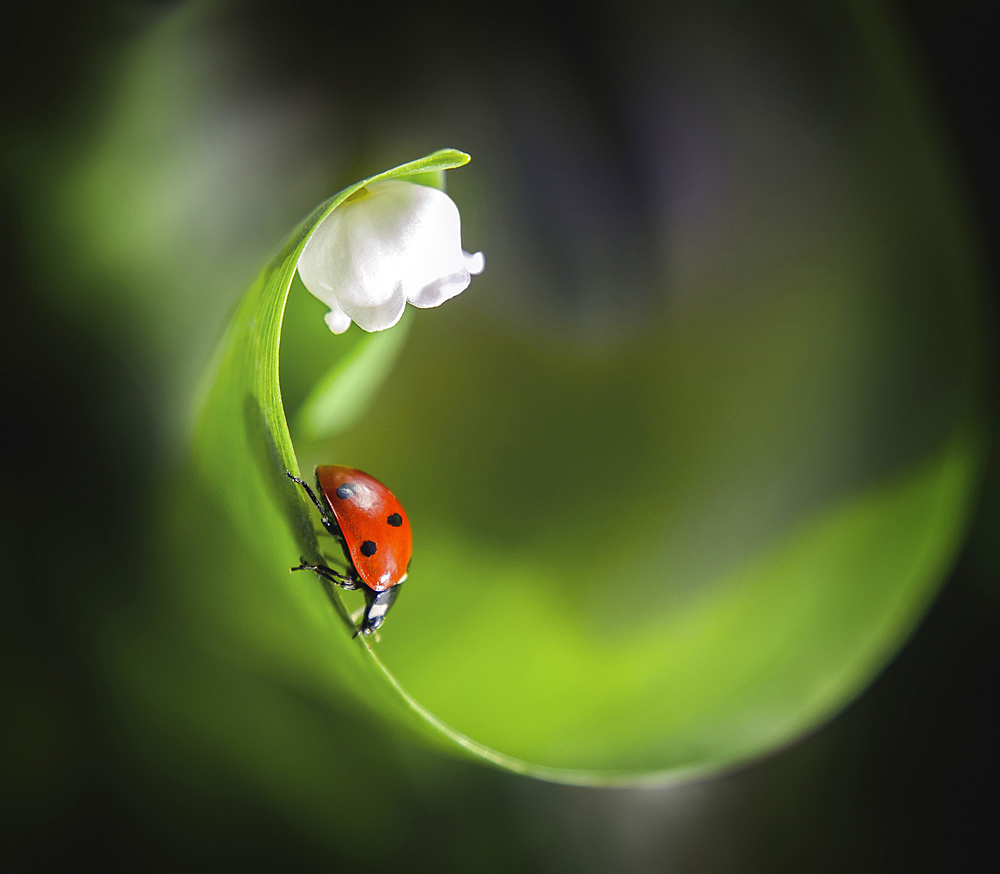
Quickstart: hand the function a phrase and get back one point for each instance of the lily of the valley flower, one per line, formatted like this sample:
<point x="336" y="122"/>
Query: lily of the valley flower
<point x="387" y="244"/>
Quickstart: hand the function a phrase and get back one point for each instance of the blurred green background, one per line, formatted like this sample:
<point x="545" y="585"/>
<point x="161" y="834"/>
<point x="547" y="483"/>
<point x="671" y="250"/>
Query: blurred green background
<point x="734" y="279"/>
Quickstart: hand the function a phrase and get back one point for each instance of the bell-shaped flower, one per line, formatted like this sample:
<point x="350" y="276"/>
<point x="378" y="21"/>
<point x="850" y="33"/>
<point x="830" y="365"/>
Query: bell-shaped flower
<point x="388" y="243"/>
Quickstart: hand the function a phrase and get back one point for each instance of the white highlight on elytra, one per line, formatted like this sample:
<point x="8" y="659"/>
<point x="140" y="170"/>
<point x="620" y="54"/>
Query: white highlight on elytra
<point x="390" y="243"/>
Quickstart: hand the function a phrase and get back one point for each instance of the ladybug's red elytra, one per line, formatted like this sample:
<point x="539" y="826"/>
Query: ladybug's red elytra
<point x="372" y="528"/>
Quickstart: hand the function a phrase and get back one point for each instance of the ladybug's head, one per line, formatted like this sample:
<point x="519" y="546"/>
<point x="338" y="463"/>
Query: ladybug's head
<point x="377" y="605"/>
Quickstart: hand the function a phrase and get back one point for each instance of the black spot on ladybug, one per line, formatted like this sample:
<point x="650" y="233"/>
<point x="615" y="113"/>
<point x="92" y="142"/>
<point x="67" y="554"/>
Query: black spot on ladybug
<point x="368" y="548"/>
<point x="395" y="520"/>
<point x="346" y="491"/>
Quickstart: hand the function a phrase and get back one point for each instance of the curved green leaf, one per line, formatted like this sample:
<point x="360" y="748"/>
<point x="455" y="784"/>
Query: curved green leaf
<point x="546" y="628"/>
<point x="243" y="449"/>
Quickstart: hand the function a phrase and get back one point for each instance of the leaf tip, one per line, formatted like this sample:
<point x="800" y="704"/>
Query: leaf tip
<point x="453" y="157"/>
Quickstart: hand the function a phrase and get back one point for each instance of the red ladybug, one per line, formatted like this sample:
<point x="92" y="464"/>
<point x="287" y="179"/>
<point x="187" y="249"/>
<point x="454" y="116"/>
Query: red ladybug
<point x="372" y="528"/>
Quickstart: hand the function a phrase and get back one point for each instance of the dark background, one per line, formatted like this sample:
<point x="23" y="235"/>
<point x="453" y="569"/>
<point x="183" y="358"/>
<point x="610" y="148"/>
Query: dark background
<point x="899" y="781"/>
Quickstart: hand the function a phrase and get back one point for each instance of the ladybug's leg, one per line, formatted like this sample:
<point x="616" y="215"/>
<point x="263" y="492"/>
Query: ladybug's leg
<point x="329" y="523"/>
<point x="378" y="604"/>
<point x="328" y="573"/>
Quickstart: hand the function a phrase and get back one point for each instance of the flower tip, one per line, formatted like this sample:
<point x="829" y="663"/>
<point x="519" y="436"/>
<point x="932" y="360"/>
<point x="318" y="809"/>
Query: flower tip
<point x="337" y="321"/>
<point x="475" y="264"/>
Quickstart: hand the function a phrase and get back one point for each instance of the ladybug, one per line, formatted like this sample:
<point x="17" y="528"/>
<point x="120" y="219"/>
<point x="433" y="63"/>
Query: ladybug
<point x="372" y="529"/>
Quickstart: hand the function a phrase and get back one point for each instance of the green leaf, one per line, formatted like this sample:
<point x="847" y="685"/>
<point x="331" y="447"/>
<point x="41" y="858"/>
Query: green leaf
<point x="243" y="449"/>
<point x="339" y="399"/>
<point x="578" y="609"/>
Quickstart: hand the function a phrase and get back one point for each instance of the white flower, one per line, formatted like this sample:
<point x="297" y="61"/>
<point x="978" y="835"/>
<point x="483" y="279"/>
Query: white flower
<point x="387" y="244"/>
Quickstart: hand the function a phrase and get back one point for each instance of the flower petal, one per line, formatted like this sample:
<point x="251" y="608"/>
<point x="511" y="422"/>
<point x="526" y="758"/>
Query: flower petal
<point x="437" y="292"/>
<point x="379" y="316"/>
